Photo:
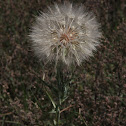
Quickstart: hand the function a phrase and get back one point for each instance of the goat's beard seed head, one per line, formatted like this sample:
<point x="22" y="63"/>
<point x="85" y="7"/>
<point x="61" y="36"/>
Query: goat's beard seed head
<point x="65" y="33"/>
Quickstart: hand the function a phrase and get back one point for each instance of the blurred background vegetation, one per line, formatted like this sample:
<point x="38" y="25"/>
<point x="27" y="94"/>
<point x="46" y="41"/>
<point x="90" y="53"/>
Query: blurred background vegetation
<point x="98" y="96"/>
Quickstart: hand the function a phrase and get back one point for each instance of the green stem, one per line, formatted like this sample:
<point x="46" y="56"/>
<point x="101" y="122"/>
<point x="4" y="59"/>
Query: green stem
<point x="58" y="116"/>
<point x="58" y="109"/>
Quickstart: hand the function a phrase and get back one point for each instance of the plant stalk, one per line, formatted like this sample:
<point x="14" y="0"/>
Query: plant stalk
<point x="58" y="116"/>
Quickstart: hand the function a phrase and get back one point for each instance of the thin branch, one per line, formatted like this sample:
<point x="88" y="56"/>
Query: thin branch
<point x="66" y="108"/>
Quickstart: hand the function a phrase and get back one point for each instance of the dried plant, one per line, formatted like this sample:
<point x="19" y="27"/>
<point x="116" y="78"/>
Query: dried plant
<point x="65" y="33"/>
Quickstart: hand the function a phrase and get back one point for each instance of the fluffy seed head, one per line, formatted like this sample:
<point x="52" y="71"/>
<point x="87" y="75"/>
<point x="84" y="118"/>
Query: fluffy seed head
<point x="65" y="33"/>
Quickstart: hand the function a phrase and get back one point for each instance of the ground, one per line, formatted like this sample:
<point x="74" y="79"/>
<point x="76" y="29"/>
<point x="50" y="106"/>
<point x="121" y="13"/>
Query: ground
<point x="97" y="96"/>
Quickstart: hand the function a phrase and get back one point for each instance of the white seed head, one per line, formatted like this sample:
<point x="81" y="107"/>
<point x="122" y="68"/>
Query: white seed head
<point x="65" y="33"/>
